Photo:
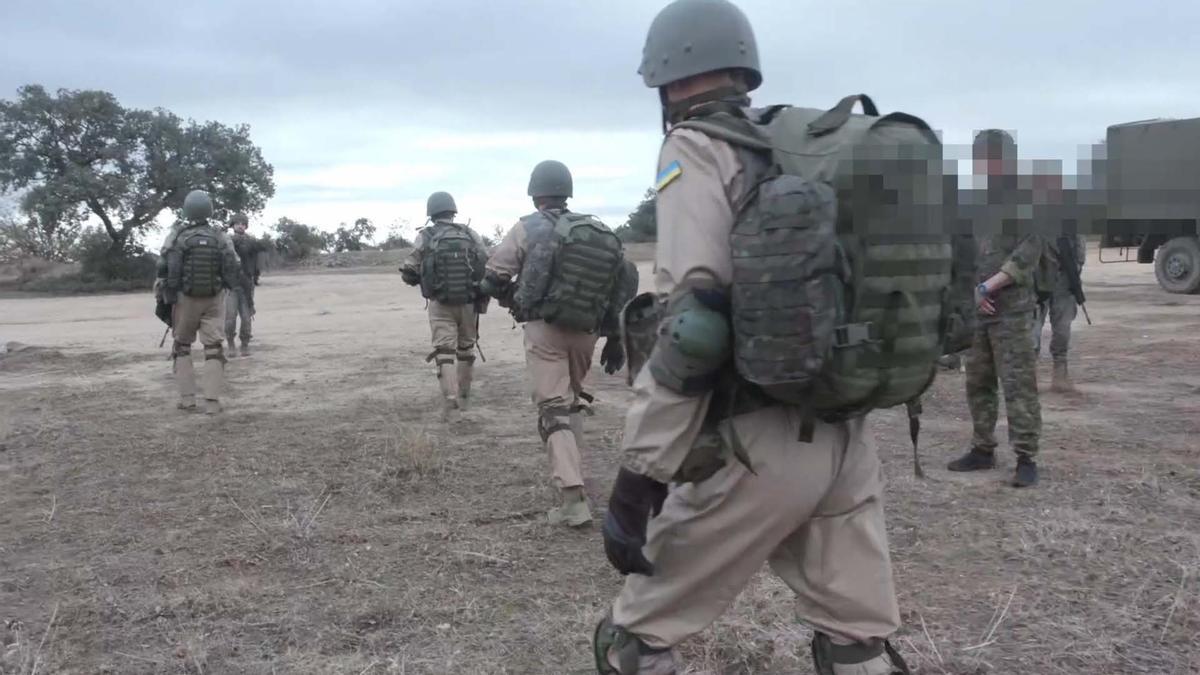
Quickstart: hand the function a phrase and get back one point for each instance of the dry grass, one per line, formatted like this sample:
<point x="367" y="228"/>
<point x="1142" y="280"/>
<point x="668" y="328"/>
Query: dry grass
<point x="340" y="528"/>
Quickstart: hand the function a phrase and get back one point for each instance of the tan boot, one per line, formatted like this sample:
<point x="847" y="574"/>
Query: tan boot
<point x="465" y="375"/>
<point x="1060" y="379"/>
<point x="574" y="511"/>
<point x="213" y="380"/>
<point x="245" y="348"/>
<point x="185" y="381"/>
<point x="231" y="351"/>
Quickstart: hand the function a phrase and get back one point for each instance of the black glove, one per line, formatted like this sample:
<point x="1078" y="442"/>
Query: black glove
<point x="634" y="498"/>
<point x="410" y="277"/>
<point x="612" y="357"/>
<point x="256" y="276"/>
<point x="163" y="311"/>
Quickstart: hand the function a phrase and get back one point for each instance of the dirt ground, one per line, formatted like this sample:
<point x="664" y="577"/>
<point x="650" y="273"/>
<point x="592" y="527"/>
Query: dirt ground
<point x="329" y="523"/>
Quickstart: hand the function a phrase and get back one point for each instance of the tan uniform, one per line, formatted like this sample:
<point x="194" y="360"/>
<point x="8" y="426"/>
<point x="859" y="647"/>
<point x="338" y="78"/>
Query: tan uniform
<point x="204" y="318"/>
<point x="558" y="362"/>
<point x="814" y="510"/>
<point x="455" y="330"/>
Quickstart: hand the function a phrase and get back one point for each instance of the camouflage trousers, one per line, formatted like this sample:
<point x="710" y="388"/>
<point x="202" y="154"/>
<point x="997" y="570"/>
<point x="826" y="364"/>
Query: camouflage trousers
<point x="1061" y="310"/>
<point x="1002" y="356"/>
<point x="237" y="306"/>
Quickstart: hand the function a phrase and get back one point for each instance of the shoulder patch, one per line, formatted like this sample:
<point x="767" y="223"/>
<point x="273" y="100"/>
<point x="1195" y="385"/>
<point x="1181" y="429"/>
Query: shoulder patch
<point x="668" y="175"/>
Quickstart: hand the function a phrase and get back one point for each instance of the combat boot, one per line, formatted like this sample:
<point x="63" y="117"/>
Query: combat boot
<point x="875" y="657"/>
<point x="213" y="379"/>
<point x="1060" y="379"/>
<point x="465" y="375"/>
<point x="231" y="351"/>
<point x="1027" y="472"/>
<point x="185" y="377"/>
<point x="974" y="460"/>
<point x="619" y="652"/>
<point x="574" y="511"/>
<point x="245" y="347"/>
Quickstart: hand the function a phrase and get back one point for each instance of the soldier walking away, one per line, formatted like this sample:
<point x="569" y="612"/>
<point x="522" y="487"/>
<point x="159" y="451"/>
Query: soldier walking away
<point x="197" y="264"/>
<point x="1002" y="354"/>
<point x="728" y="459"/>
<point x="1065" y="295"/>
<point x="447" y="263"/>
<point x="562" y="275"/>
<point x="239" y="303"/>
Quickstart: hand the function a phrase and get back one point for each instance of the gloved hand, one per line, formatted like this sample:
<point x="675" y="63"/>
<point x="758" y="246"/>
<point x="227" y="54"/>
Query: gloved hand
<point x="634" y="498"/>
<point x="612" y="357"/>
<point x="256" y="276"/>
<point x="409" y="276"/>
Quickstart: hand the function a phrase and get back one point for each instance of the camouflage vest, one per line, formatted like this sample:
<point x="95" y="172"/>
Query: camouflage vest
<point x="841" y="258"/>
<point x="200" y="261"/>
<point x="572" y="264"/>
<point x="450" y="264"/>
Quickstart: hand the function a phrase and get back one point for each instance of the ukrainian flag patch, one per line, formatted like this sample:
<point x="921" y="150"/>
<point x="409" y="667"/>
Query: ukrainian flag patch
<point x="667" y="175"/>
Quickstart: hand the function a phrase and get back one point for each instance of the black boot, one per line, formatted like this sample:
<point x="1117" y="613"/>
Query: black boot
<point x="974" y="460"/>
<point x="1027" y="473"/>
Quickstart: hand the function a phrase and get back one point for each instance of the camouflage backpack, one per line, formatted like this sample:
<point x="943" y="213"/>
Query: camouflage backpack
<point x="450" y="266"/>
<point x="841" y="258"/>
<point x="200" y="261"/>
<point x="571" y="271"/>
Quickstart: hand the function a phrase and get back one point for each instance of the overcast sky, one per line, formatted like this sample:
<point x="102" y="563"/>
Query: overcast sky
<point x="365" y="107"/>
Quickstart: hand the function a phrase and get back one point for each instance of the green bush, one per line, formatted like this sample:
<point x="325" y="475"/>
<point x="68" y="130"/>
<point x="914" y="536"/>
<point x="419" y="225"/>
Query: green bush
<point x="101" y="263"/>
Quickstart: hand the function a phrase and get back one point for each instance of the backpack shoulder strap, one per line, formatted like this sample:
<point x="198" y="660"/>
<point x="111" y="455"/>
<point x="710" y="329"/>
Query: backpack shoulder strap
<point x="736" y="130"/>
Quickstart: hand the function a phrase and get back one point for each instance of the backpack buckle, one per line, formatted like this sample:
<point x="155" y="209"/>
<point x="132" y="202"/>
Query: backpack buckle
<point x="853" y="334"/>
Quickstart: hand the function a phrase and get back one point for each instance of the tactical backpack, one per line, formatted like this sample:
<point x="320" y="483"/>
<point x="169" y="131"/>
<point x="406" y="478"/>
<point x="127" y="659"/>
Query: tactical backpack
<point x="841" y="255"/>
<point x="570" y="271"/>
<point x="450" y="266"/>
<point x="200" y="262"/>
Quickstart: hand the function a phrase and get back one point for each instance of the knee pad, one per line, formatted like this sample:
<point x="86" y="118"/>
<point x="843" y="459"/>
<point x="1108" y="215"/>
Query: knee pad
<point x="827" y="655"/>
<point x="553" y="416"/>
<point x="214" y="352"/>
<point x="181" y="349"/>
<point x="694" y="343"/>
<point x="629" y="649"/>
<point x="441" y="356"/>
<point x="466" y="356"/>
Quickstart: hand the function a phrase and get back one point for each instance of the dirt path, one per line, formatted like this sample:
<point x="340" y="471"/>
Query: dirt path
<point x="328" y="523"/>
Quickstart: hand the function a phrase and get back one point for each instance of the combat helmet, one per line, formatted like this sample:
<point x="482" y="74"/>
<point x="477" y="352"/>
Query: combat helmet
<point x="197" y="206"/>
<point x="551" y="178"/>
<point x="439" y="203"/>
<point x="691" y="37"/>
<point x="239" y="218"/>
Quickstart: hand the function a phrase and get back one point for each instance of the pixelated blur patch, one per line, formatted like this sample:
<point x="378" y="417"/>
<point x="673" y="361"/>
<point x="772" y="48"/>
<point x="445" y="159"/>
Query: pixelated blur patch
<point x="668" y="175"/>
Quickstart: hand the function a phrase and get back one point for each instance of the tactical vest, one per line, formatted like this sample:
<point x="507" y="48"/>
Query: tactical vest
<point x="841" y="256"/>
<point x="200" y="260"/>
<point x="450" y="264"/>
<point x="572" y="264"/>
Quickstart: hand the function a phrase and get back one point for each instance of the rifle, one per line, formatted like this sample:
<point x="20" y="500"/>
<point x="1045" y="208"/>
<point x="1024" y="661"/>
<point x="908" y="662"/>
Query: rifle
<point x="163" y="341"/>
<point x="1066" y="254"/>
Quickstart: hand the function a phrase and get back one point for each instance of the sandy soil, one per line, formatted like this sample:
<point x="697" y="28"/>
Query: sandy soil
<point x="328" y="523"/>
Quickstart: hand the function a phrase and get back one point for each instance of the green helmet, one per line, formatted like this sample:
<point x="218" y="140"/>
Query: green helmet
<point x="994" y="144"/>
<point x="239" y="218"/>
<point x="690" y="37"/>
<point x="440" y="202"/>
<point x="551" y="178"/>
<point x="197" y="205"/>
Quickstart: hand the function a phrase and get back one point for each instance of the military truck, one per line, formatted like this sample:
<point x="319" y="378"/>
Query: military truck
<point x="1146" y="182"/>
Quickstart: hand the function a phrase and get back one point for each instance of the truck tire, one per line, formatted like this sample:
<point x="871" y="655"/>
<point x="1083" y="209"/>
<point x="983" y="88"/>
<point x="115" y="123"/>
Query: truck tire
<point x="1177" y="265"/>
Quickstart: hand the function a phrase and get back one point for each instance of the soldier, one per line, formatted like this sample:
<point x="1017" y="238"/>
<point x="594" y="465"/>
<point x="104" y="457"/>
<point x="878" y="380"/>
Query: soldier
<point x="1061" y="307"/>
<point x="1001" y="351"/>
<point x="812" y="509"/>
<point x="197" y="264"/>
<point x="240" y="300"/>
<point x="565" y="308"/>
<point x="447" y="263"/>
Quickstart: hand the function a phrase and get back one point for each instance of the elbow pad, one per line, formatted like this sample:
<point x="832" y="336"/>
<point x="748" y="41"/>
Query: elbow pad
<point x="694" y="343"/>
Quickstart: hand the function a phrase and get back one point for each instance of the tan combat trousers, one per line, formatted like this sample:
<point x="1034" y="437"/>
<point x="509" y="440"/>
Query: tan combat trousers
<point x="558" y="361"/>
<point x="205" y="318"/>
<point x="812" y="510"/>
<point x="454" y="335"/>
